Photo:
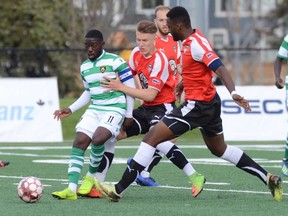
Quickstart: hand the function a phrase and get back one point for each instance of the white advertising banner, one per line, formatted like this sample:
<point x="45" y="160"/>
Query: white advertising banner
<point x="26" y="110"/>
<point x="267" y="121"/>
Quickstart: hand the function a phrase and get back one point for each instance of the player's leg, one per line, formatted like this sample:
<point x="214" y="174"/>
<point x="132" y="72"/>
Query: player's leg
<point x="76" y="163"/>
<point x="284" y="164"/>
<point x="108" y="128"/>
<point x="140" y="160"/>
<point x="239" y="158"/>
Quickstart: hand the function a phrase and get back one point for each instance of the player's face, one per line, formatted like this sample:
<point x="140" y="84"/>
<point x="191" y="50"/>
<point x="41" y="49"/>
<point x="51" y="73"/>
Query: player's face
<point x="174" y="30"/>
<point x="161" y="22"/>
<point x="94" y="48"/>
<point x="145" y="43"/>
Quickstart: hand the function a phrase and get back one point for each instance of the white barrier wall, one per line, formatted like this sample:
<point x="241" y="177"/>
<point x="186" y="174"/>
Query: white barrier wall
<point x="26" y="110"/>
<point x="267" y="120"/>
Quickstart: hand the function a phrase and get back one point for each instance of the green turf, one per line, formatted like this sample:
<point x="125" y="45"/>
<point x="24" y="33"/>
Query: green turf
<point x="235" y="198"/>
<point x="232" y="199"/>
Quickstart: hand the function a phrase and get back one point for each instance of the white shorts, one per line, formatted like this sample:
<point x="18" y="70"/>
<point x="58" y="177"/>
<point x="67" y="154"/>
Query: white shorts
<point x="92" y="119"/>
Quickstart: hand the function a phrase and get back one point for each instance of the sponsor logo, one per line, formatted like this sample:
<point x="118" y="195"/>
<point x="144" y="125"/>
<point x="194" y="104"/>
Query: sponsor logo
<point x="209" y="55"/>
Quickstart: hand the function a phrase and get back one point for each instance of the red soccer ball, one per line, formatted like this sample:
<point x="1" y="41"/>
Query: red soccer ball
<point x="30" y="189"/>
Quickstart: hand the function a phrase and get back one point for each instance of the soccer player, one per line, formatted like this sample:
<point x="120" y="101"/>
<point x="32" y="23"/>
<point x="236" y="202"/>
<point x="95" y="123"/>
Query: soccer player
<point x="102" y="120"/>
<point x="165" y="43"/>
<point x="157" y="93"/>
<point x="280" y="58"/>
<point x="4" y="163"/>
<point x="201" y="109"/>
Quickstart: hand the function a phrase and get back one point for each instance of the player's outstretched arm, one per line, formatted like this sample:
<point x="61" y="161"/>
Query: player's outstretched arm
<point x="229" y="83"/>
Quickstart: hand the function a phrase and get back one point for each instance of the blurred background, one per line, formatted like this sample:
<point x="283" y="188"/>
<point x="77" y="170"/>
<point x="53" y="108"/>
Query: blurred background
<point x="41" y="38"/>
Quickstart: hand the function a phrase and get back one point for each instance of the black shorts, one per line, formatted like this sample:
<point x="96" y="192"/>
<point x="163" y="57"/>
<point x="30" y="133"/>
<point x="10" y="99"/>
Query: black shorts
<point x="146" y="116"/>
<point x="196" y="114"/>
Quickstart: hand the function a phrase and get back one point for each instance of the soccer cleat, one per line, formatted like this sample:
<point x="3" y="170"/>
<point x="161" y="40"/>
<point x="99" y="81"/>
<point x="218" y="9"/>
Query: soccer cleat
<point x="284" y="167"/>
<point x="274" y="184"/>
<point x="107" y="190"/>
<point x="4" y="163"/>
<point x="86" y="186"/>
<point x="94" y="193"/>
<point x="148" y="181"/>
<point x="65" y="194"/>
<point x="197" y="180"/>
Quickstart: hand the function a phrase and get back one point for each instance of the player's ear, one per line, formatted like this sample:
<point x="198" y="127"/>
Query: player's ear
<point x="103" y="43"/>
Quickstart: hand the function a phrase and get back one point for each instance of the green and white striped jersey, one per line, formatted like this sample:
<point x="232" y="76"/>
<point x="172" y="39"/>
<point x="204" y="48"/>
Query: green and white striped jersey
<point x="92" y="73"/>
<point x="283" y="50"/>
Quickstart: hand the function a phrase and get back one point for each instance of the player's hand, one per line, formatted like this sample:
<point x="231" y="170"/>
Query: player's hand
<point x="241" y="102"/>
<point x="62" y="113"/>
<point x="279" y="83"/>
<point x="112" y="84"/>
<point x="178" y="91"/>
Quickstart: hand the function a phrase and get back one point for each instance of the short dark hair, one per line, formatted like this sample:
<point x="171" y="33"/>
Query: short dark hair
<point x="179" y="14"/>
<point x="146" y="26"/>
<point x="94" y="33"/>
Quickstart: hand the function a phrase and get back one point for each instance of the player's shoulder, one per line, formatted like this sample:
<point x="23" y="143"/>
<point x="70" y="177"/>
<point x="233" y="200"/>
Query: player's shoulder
<point x="286" y="38"/>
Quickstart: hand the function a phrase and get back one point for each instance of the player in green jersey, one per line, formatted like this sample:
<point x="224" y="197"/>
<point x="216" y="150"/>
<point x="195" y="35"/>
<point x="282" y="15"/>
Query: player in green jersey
<point x="281" y="57"/>
<point x="102" y="120"/>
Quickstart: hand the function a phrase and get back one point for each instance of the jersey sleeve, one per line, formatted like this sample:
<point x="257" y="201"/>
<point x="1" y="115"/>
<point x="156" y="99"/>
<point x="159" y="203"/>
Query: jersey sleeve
<point x="202" y="51"/>
<point x="159" y="73"/>
<point x="283" y="50"/>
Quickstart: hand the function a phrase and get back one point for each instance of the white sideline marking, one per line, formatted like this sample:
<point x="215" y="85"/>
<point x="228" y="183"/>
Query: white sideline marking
<point x="165" y="186"/>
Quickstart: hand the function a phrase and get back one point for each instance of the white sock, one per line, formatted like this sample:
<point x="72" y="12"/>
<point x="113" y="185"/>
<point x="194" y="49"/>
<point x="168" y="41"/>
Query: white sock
<point x="144" y="154"/>
<point x="232" y="154"/>
<point x="72" y="187"/>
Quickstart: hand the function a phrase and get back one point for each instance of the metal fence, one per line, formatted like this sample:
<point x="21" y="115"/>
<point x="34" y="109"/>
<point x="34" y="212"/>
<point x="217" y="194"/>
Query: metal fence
<point x="247" y="66"/>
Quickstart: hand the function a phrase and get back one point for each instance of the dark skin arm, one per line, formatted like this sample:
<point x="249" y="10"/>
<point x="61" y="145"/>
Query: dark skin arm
<point x="229" y="83"/>
<point x="279" y="82"/>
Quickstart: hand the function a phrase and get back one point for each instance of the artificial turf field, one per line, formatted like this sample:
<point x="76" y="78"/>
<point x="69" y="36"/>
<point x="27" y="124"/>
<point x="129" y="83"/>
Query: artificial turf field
<point x="228" y="190"/>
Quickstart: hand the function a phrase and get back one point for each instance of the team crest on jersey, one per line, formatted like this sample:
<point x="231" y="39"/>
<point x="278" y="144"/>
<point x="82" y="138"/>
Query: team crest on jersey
<point x="150" y="67"/>
<point x="102" y="69"/>
<point x="185" y="48"/>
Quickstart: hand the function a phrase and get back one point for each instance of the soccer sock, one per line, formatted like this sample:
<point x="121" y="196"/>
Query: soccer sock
<point x="140" y="160"/>
<point x="75" y="166"/>
<point x="96" y="155"/>
<point x="106" y="160"/>
<point x="176" y="156"/>
<point x="155" y="160"/>
<point x="286" y="148"/>
<point x="236" y="156"/>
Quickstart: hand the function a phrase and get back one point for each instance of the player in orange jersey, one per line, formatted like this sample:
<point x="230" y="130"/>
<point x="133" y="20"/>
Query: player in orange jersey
<point x="157" y="93"/>
<point x="201" y="109"/>
<point x="165" y="43"/>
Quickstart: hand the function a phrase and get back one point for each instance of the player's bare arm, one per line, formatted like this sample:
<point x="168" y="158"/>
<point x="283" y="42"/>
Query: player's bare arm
<point x="148" y="94"/>
<point x="279" y="83"/>
<point x="229" y="83"/>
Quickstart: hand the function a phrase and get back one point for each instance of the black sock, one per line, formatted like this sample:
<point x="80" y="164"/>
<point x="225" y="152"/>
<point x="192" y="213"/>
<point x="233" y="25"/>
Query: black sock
<point x="129" y="176"/>
<point x="250" y="166"/>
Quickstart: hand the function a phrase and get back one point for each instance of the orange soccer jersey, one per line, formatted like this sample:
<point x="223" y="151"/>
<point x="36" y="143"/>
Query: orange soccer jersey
<point x="172" y="51"/>
<point x="153" y="72"/>
<point x="197" y="54"/>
